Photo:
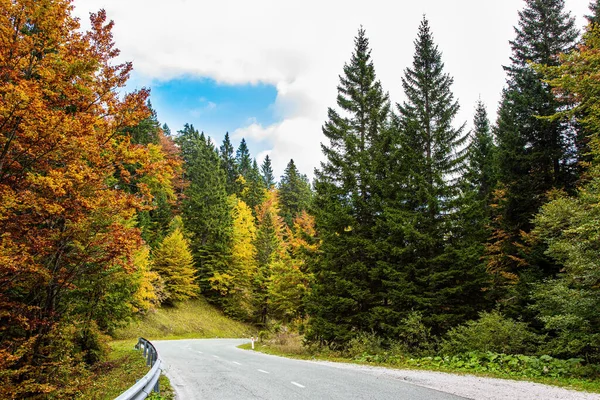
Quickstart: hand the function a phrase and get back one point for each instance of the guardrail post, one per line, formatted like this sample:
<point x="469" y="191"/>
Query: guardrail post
<point x="148" y="359"/>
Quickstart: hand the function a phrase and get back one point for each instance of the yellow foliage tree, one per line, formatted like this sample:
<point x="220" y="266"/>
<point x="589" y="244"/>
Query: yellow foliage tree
<point x="174" y="263"/>
<point x="235" y="284"/>
<point x="150" y="291"/>
<point x="290" y="281"/>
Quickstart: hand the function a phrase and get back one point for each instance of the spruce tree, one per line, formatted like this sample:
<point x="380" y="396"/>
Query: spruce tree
<point x="253" y="192"/>
<point x="434" y="272"/>
<point x="594" y="18"/>
<point x="243" y="160"/>
<point x="481" y="170"/>
<point x="147" y="130"/>
<point x="266" y="170"/>
<point x="294" y="192"/>
<point x="229" y="166"/>
<point x="535" y="154"/>
<point x="269" y="242"/>
<point x="205" y="208"/>
<point x="341" y="302"/>
<point x="166" y="129"/>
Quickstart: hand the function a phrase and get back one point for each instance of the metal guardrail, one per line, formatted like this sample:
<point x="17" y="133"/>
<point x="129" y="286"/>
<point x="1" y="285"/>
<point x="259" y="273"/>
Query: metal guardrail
<point x="149" y="382"/>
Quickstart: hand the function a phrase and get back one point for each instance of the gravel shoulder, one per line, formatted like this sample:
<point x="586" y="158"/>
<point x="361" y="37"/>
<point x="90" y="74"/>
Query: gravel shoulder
<point x="473" y="387"/>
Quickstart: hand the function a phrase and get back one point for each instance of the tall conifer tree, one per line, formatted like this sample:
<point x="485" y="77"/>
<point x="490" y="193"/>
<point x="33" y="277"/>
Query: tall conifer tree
<point x="535" y="155"/>
<point x="253" y="192"/>
<point x="481" y="170"/>
<point x="228" y="165"/>
<point x="205" y="207"/>
<point x="166" y="129"/>
<point x="266" y="170"/>
<point x="346" y="275"/>
<point x="594" y="17"/>
<point x="243" y="160"/>
<point x="294" y="192"/>
<point x="434" y="255"/>
<point x="269" y="243"/>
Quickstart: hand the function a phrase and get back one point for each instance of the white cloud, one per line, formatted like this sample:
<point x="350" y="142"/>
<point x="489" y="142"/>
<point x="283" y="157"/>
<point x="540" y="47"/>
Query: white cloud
<point x="300" y="47"/>
<point x="296" y="137"/>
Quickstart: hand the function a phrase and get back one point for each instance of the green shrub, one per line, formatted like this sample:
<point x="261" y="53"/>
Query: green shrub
<point x="513" y="365"/>
<point x="492" y="332"/>
<point x="364" y="344"/>
<point x="415" y="338"/>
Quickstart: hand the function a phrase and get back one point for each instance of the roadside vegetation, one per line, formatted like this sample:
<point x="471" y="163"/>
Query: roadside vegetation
<point x="458" y="352"/>
<point x="122" y="368"/>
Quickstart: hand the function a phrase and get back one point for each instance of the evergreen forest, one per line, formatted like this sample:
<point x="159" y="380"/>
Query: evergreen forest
<point x="419" y="231"/>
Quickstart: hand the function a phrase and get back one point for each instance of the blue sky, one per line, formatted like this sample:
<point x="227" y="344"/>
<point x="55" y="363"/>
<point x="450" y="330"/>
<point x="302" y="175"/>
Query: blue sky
<point x="267" y="70"/>
<point x="214" y="108"/>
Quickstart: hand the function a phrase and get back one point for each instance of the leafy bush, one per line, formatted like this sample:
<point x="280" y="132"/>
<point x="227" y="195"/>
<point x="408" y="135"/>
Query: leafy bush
<point x="513" y="365"/>
<point x="492" y="332"/>
<point x="569" y="313"/>
<point x="415" y="338"/>
<point x="364" y="344"/>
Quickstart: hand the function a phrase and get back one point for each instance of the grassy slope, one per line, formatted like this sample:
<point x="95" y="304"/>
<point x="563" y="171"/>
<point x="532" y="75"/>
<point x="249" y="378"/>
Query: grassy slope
<point x="189" y="320"/>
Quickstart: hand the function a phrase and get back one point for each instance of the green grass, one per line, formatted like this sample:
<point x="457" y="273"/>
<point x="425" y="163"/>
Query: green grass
<point x="292" y="347"/>
<point x="123" y="367"/>
<point x="195" y="319"/>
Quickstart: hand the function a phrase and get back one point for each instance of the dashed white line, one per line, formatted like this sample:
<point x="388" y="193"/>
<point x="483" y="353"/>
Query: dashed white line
<point x="200" y="352"/>
<point x="297" y="384"/>
<point x="263" y="371"/>
<point x="235" y="362"/>
<point x="215" y="356"/>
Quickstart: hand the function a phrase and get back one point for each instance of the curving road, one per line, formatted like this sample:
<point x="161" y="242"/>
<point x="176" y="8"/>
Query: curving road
<point x="217" y="369"/>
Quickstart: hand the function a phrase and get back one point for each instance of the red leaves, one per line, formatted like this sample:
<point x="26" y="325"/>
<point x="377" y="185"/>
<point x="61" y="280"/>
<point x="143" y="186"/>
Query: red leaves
<point x="66" y="212"/>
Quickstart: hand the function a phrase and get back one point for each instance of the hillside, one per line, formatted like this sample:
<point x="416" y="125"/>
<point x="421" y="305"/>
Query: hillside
<point x="191" y="319"/>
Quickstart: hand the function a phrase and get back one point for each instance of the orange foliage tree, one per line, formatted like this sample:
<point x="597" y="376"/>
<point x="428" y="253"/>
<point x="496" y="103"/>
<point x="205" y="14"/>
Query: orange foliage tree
<point x="67" y="232"/>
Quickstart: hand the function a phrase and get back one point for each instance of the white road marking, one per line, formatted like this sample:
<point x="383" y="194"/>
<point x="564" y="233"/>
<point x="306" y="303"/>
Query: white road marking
<point x="235" y="362"/>
<point x="297" y="384"/>
<point x="263" y="371"/>
<point x="200" y="352"/>
<point x="215" y="356"/>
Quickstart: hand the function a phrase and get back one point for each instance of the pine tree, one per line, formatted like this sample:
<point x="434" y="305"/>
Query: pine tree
<point x="243" y="160"/>
<point x="269" y="249"/>
<point x="147" y="130"/>
<point x="267" y="173"/>
<point x="594" y="18"/>
<point x="294" y="192"/>
<point x="174" y="263"/>
<point x="342" y="301"/>
<point x="166" y="129"/>
<point x="205" y="208"/>
<point x="253" y="192"/>
<point x="433" y="268"/>
<point x="229" y="166"/>
<point x="535" y="154"/>
<point x="481" y="171"/>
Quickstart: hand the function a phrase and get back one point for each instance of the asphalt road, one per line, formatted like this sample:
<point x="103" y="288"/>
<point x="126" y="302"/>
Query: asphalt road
<point x="217" y="369"/>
